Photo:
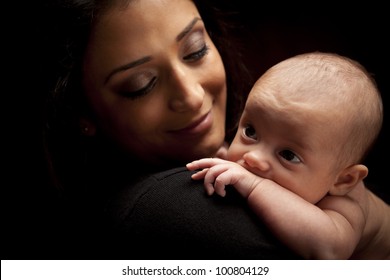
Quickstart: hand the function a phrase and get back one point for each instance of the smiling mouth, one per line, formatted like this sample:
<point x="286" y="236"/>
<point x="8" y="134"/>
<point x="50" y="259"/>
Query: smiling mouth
<point x="201" y="125"/>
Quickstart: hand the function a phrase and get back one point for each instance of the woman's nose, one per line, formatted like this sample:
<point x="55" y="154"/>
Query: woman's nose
<point x="258" y="159"/>
<point x="187" y="94"/>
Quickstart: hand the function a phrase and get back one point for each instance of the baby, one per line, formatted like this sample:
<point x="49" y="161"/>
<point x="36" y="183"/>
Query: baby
<point x="308" y="123"/>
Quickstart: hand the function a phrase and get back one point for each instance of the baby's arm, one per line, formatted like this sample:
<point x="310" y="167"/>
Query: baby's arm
<point x="369" y="216"/>
<point x="310" y="231"/>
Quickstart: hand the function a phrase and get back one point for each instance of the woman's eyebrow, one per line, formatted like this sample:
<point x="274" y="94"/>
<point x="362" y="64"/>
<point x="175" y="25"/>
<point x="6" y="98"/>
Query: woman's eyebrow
<point x="145" y="59"/>
<point x="128" y="66"/>
<point x="187" y="29"/>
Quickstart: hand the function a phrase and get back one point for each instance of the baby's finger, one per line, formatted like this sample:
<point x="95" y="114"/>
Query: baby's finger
<point x="200" y="174"/>
<point x="221" y="182"/>
<point x="209" y="188"/>
<point x="220" y="189"/>
<point x="213" y="176"/>
<point x="204" y="163"/>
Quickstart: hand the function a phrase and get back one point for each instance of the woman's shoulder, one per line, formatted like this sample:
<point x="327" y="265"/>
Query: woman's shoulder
<point x="170" y="214"/>
<point x="155" y="194"/>
<point x="146" y="188"/>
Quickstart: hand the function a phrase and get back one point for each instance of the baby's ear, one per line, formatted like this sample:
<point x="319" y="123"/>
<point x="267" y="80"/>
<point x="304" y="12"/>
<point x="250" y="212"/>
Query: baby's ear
<point x="87" y="127"/>
<point x="348" y="178"/>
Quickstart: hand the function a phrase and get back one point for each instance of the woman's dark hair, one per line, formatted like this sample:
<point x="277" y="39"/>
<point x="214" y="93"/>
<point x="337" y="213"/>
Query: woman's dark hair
<point x="68" y="24"/>
<point x="222" y="24"/>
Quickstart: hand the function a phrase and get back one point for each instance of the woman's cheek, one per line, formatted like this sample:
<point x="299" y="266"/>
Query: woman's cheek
<point x="218" y="75"/>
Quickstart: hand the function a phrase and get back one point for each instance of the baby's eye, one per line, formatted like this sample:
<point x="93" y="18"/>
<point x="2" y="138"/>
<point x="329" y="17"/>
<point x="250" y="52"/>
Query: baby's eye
<point x="290" y="156"/>
<point x="250" y="132"/>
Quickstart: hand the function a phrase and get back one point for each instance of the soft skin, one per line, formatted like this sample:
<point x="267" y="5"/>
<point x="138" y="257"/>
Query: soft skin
<point x="166" y="71"/>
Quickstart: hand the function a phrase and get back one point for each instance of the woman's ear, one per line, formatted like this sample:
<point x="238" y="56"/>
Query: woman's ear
<point x="348" y="179"/>
<point x="87" y="127"/>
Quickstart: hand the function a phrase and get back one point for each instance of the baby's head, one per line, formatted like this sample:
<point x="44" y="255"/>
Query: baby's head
<point x="335" y="92"/>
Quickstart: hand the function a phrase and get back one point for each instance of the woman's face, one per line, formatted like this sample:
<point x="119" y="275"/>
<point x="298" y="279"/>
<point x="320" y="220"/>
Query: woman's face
<point x="156" y="82"/>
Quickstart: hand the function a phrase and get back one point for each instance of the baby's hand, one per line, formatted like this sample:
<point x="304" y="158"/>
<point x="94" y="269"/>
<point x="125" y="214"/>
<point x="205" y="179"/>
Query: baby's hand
<point x="212" y="169"/>
<point x="218" y="173"/>
<point x="204" y="164"/>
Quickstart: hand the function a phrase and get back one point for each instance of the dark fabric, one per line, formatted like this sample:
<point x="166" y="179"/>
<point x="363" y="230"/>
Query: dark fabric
<point x="169" y="216"/>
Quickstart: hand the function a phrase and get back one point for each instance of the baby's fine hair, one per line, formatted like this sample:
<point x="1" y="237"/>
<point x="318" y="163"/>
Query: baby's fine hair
<point x="336" y="84"/>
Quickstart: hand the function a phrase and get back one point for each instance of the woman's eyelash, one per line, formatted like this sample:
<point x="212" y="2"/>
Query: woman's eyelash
<point x="197" y="55"/>
<point x="145" y="90"/>
<point x="141" y="92"/>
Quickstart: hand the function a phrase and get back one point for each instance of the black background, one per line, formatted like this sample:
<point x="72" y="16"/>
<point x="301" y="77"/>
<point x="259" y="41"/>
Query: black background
<point x="274" y="32"/>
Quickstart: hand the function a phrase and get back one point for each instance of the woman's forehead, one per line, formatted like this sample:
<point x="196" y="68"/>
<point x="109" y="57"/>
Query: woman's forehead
<point x="142" y="29"/>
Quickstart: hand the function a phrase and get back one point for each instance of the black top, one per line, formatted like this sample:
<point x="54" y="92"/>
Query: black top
<point x="170" y="216"/>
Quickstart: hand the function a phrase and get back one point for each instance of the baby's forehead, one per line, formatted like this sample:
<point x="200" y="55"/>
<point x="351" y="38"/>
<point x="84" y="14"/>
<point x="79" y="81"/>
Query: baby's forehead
<point x="315" y="88"/>
<point x="284" y="105"/>
<point x="294" y="122"/>
<point x="277" y="93"/>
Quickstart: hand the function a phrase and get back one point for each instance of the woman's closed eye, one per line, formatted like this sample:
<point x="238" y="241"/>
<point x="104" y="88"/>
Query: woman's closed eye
<point x="199" y="54"/>
<point x="138" y="86"/>
<point x="194" y="47"/>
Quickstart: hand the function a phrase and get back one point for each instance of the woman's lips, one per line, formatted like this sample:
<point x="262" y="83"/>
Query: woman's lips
<point x="201" y="125"/>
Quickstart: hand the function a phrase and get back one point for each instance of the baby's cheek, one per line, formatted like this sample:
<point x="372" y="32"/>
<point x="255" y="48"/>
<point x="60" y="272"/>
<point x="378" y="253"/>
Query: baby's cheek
<point x="222" y="152"/>
<point x="234" y="153"/>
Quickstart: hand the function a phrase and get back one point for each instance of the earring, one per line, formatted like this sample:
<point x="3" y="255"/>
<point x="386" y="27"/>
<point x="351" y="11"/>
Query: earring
<point x="86" y="127"/>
